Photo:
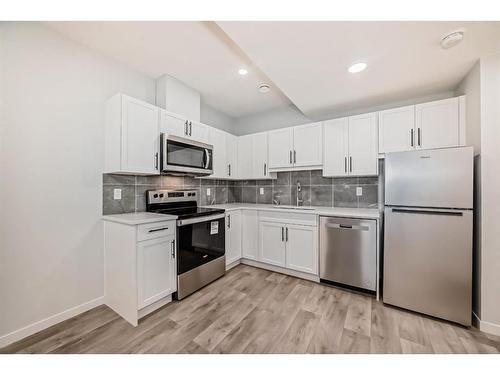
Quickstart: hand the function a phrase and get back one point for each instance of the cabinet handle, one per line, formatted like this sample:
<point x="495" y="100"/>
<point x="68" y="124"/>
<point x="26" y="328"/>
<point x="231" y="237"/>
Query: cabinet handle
<point x="157" y="229"/>
<point x="345" y="164"/>
<point x="286" y="231"/>
<point x="172" y="249"/>
<point x="294" y="156"/>
<point x="265" y="169"/>
<point x="229" y="221"/>
<point x="290" y="156"/>
<point x="186" y="128"/>
<point x="411" y="137"/>
<point x="350" y="163"/>
<point x="190" y="128"/>
<point x="282" y="234"/>
<point x="419" y="131"/>
<point x="156" y="161"/>
<point x="229" y="169"/>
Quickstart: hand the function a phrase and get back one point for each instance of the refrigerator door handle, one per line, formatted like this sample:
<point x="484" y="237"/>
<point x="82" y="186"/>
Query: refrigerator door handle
<point x="428" y="212"/>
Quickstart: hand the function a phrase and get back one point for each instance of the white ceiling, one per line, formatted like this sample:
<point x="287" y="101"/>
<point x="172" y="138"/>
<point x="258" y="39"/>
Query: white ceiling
<point x="309" y="60"/>
<point x="305" y="62"/>
<point x="198" y="53"/>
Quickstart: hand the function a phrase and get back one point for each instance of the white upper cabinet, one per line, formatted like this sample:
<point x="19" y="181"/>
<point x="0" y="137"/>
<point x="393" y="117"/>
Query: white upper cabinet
<point x="172" y="124"/>
<point x="131" y="136"/>
<point x="308" y="145"/>
<point x="231" y="156"/>
<point x="280" y="148"/>
<point x="298" y="147"/>
<point x="198" y="131"/>
<point x="260" y="165"/>
<point x="245" y="156"/>
<point x="217" y="139"/>
<point x="350" y="146"/>
<point x="396" y="129"/>
<point x="336" y="142"/>
<point x="176" y="97"/>
<point x="363" y="141"/>
<point x="437" y="124"/>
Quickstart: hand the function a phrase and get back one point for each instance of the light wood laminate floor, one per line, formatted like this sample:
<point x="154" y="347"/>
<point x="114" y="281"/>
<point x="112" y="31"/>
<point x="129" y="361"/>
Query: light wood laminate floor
<point x="251" y="310"/>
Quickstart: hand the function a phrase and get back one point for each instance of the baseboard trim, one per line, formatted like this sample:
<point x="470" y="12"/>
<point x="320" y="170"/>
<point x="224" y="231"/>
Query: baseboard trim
<point x="286" y="271"/>
<point x="232" y="265"/>
<point x="33" y="328"/>
<point x="485" y="326"/>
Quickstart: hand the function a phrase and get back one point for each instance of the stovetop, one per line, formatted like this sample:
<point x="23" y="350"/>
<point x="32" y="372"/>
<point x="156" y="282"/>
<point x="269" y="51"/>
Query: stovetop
<point x="182" y="203"/>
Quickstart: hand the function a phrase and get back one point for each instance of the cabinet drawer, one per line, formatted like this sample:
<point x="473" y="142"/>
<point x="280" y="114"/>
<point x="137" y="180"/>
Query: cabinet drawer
<point x="155" y="230"/>
<point x="289" y="217"/>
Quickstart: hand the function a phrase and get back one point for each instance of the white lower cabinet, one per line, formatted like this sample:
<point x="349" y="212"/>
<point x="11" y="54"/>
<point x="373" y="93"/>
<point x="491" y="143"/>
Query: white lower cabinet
<point x="272" y="243"/>
<point x="301" y="245"/>
<point x="289" y="245"/>
<point x="250" y="234"/>
<point x="155" y="269"/>
<point x="140" y="262"/>
<point x="233" y="237"/>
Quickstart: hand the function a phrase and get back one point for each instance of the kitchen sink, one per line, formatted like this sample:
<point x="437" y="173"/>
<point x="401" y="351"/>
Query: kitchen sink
<point x="295" y="208"/>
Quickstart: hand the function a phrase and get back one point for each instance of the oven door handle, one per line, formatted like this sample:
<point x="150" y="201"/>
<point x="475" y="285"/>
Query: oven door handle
<point x="194" y="220"/>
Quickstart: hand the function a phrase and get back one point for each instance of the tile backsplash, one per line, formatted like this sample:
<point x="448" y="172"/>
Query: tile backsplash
<point x="316" y="190"/>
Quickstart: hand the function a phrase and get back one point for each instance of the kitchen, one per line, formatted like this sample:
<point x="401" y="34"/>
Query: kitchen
<point x="242" y="210"/>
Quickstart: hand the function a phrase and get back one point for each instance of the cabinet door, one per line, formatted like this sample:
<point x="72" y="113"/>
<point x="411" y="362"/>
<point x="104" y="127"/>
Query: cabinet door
<point x="272" y="243"/>
<point x="250" y="234"/>
<point x="302" y="248"/>
<point x="396" y="129"/>
<point x="363" y="141"/>
<point x="233" y="237"/>
<point x="245" y="157"/>
<point x="140" y="137"/>
<point x="281" y="148"/>
<point x="198" y="132"/>
<point x="308" y="145"/>
<point x="232" y="155"/>
<point x="217" y="139"/>
<point x="260" y="165"/>
<point x="155" y="270"/>
<point x="172" y="124"/>
<point x="335" y="143"/>
<point x="437" y="124"/>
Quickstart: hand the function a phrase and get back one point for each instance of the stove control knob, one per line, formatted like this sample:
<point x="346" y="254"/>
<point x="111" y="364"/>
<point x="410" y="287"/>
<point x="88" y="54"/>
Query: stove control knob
<point x="161" y="195"/>
<point x="155" y="196"/>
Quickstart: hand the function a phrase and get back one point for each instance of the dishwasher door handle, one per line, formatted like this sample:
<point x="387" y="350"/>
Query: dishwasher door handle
<point x="347" y="226"/>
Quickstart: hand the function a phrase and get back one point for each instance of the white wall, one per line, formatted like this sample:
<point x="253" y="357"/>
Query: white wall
<point x="490" y="192"/>
<point x="52" y="144"/>
<point x="216" y="118"/>
<point x="291" y="116"/>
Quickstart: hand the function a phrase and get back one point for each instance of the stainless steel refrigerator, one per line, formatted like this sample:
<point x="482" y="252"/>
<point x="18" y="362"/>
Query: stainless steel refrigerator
<point x="428" y="232"/>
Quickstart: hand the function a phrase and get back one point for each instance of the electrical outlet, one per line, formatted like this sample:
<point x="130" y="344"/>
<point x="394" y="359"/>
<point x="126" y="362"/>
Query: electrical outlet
<point x="117" y="194"/>
<point x="261" y="191"/>
<point x="208" y="192"/>
<point x="359" y="191"/>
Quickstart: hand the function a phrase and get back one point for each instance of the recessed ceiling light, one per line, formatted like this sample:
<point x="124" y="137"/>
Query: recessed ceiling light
<point x="357" y="67"/>
<point x="242" y="72"/>
<point x="264" y="87"/>
<point x="452" y="39"/>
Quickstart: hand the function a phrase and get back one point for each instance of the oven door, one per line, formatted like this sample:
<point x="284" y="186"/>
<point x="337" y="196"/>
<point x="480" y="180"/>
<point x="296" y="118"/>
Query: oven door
<point x="199" y="240"/>
<point x="180" y="155"/>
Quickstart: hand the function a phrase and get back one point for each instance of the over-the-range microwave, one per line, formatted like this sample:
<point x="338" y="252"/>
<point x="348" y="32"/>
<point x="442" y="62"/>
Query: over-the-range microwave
<point x="184" y="156"/>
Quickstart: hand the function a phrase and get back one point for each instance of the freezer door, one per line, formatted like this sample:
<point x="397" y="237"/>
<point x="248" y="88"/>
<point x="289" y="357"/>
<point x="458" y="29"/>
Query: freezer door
<point x="430" y="178"/>
<point x="428" y="262"/>
<point x="348" y="251"/>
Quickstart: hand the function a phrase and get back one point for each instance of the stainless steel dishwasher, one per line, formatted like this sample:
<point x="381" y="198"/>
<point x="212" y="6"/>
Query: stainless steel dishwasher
<point x="348" y="252"/>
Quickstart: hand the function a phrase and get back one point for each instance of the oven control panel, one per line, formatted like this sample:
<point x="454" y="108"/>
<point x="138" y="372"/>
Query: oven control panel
<point x="163" y="196"/>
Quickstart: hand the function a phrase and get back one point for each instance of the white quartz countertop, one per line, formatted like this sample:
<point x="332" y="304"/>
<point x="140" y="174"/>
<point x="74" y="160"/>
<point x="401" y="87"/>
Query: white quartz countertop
<point x="365" y="213"/>
<point x="136" y="218"/>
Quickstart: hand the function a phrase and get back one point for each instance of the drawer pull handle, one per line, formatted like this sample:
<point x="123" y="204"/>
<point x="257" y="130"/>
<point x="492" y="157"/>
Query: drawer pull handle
<point x="157" y="229"/>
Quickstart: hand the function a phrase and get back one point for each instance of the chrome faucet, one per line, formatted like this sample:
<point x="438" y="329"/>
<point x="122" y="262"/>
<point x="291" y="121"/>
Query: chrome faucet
<point x="300" y="200"/>
<point x="276" y="202"/>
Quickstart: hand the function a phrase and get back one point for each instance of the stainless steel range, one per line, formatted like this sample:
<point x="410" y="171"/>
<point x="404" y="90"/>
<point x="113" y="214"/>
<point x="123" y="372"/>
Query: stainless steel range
<point x="200" y="238"/>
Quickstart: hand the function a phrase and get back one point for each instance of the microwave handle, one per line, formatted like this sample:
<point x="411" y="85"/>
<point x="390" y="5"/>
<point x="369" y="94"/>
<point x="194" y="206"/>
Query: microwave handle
<point x="207" y="157"/>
